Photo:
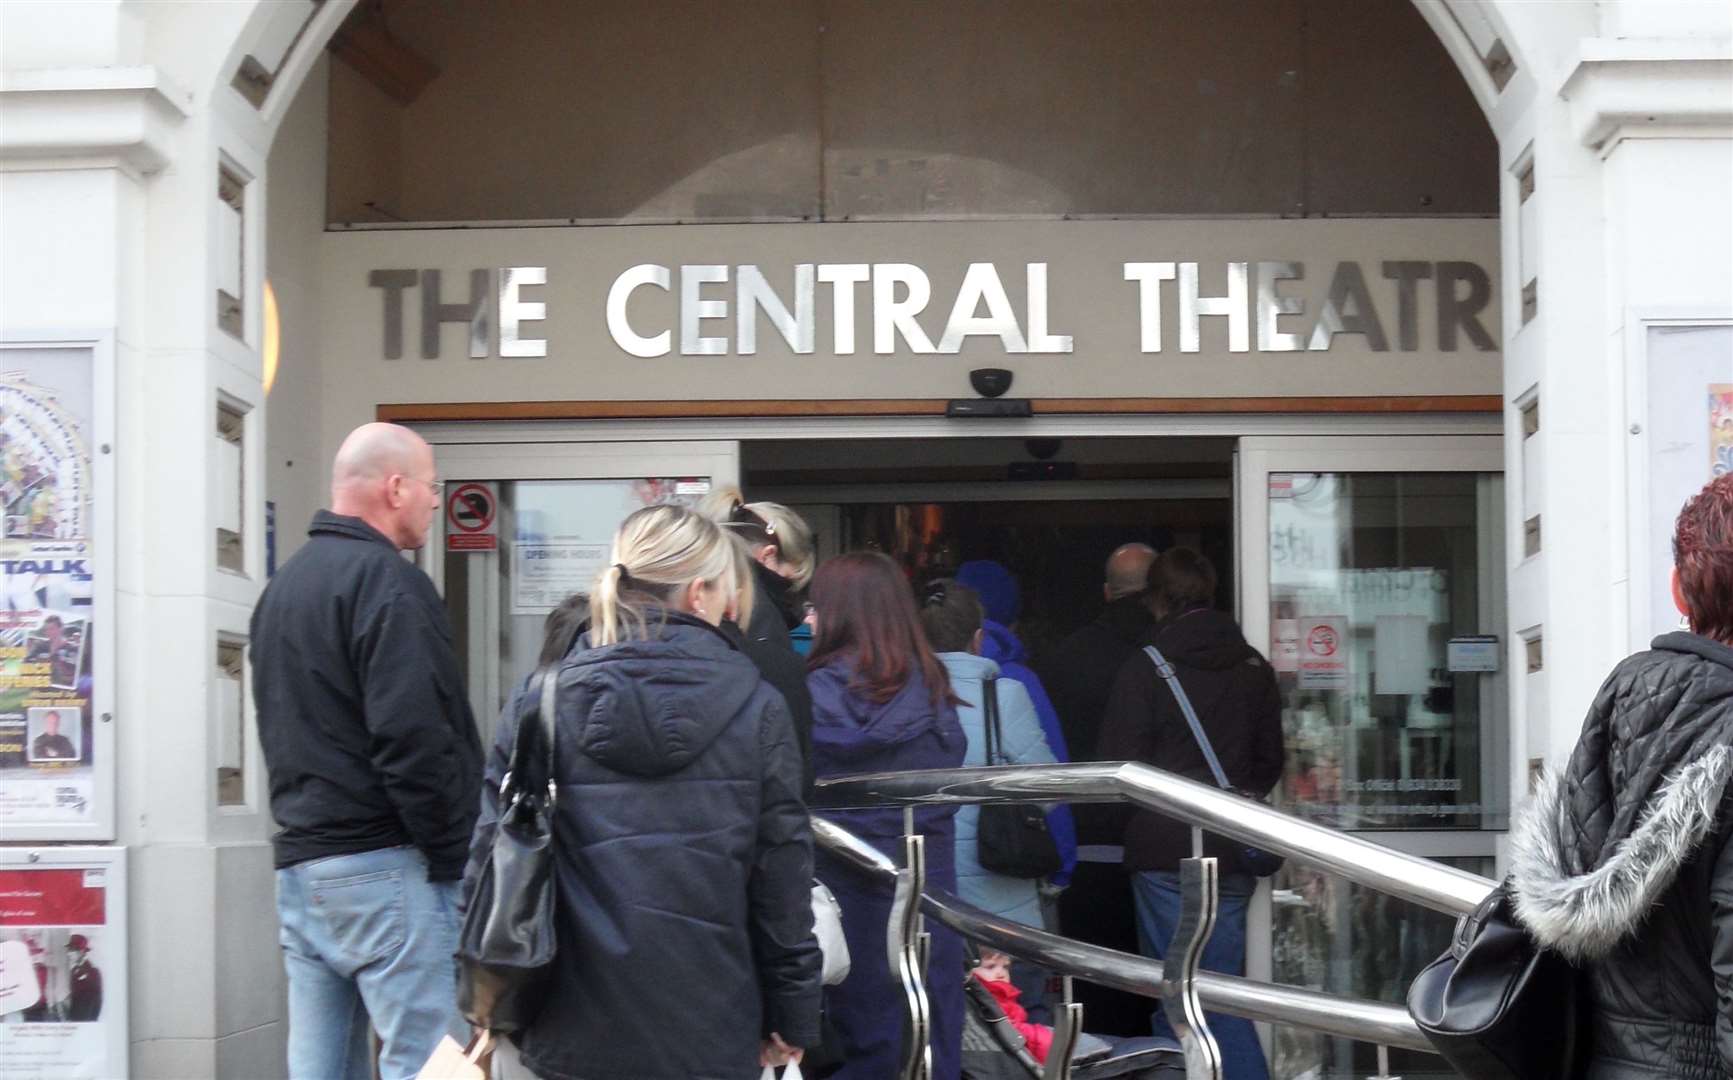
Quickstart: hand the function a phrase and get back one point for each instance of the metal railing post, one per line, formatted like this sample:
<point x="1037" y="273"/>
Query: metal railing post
<point x="1199" y="891"/>
<point x="910" y="946"/>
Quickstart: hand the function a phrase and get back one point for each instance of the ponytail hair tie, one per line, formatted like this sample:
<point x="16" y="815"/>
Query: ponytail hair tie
<point x="625" y="575"/>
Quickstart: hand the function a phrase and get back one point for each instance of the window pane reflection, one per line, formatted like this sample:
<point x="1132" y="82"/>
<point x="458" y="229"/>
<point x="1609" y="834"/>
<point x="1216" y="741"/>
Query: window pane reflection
<point x="1338" y="937"/>
<point x="1372" y="577"/>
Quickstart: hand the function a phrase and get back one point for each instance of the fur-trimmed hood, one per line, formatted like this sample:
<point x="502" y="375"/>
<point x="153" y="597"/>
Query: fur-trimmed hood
<point x="1585" y="916"/>
<point x="1606" y="837"/>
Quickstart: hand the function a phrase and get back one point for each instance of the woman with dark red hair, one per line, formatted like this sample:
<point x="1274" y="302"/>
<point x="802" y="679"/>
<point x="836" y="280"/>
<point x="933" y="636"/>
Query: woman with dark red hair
<point x="881" y="702"/>
<point x="1623" y="863"/>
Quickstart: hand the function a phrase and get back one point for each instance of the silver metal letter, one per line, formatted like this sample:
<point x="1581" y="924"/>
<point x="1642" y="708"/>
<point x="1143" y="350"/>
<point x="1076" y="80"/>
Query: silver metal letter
<point x="1040" y="341"/>
<point x="693" y="308"/>
<point x="620" y="327"/>
<point x="1235" y="305"/>
<point x="892" y="316"/>
<point x="393" y="282"/>
<point x="514" y="310"/>
<point x="1407" y="276"/>
<point x="434" y="312"/>
<point x="753" y="294"/>
<point x="1453" y="310"/>
<point x="842" y="278"/>
<point x="1149" y="276"/>
<point x="981" y="282"/>
<point x="1348" y="287"/>
<point x="1272" y="305"/>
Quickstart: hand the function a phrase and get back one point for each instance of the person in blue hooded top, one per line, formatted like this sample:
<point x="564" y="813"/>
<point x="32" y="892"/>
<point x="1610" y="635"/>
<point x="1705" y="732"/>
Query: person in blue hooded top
<point x="1002" y="601"/>
<point x="882" y="702"/>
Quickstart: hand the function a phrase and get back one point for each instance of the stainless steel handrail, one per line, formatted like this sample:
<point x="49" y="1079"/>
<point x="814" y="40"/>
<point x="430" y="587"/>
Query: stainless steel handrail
<point x="1368" y="1021"/>
<point x="1395" y="873"/>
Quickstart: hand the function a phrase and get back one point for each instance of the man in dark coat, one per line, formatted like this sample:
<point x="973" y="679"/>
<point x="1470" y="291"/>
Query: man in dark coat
<point x="374" y="768"/>
<point x="1097" y="907"/>
<point x="84" y="1000"/>
<point x="1233" y="690"/>
<point x="1624" y="861"/>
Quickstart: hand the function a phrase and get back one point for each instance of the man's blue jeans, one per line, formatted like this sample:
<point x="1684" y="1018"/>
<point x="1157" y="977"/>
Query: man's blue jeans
<point x="367" y="937"/>
<point x="1158" y="901"/>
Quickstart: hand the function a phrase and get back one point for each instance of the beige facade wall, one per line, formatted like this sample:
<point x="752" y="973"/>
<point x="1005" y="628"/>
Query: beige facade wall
<point x="843" y="109"/>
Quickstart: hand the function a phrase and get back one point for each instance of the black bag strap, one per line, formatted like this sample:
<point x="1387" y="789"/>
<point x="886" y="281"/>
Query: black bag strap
<point x="542" y="696"/>
<point x="990" y="718"/>
<point x="1165" y="670"/>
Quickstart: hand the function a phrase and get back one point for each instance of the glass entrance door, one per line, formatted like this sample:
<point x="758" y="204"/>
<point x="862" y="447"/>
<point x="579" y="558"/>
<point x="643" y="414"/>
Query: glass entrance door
<point x="1373" y="577"/>
<point x="526" y="525"/>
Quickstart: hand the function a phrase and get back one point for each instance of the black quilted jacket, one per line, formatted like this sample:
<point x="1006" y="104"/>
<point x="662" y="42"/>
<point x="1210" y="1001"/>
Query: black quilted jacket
<point x="1624" y="863"/>
<point x="683" y="863"/>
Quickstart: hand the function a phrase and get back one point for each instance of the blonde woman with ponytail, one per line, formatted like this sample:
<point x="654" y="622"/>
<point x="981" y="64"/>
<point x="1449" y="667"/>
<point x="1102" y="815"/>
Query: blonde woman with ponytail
<point x="780" y="560"/>
<point x="683" y="851"/>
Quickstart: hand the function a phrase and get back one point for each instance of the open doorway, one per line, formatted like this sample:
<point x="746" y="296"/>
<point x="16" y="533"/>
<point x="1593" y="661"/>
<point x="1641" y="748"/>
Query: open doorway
<point x="1049" y="510"/>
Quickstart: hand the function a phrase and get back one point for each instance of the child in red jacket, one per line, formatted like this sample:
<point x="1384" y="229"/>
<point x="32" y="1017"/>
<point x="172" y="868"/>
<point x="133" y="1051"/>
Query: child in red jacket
<point x="994" y="972"/>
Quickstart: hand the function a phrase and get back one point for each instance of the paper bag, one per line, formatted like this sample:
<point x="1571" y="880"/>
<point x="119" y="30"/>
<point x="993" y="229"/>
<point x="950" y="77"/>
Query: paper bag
<point x="451" y="1061"/>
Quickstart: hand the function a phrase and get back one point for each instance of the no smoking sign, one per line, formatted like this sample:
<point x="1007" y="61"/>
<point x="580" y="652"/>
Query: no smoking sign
<point x="472" y="518"/>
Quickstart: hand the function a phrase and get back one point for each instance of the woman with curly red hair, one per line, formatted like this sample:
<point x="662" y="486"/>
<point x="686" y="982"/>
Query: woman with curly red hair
<point x="1623" y="862"/>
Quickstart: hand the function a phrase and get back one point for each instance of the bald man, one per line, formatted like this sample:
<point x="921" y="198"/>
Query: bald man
<point x="374" y="768"/>
<point x="1098" y="908"/>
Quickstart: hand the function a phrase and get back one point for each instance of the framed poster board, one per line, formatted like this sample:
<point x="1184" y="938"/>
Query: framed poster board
<point x="1680" y="405"/>
<point x="57" y="502"/>
<point x="63" y="949"/>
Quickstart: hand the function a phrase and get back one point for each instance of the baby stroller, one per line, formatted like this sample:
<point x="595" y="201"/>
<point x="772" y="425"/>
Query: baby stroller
<point x="994" y="1050"/>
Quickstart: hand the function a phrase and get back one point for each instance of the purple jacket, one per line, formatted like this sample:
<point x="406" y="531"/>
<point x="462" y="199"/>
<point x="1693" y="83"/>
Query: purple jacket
<point x="853" y="735"/>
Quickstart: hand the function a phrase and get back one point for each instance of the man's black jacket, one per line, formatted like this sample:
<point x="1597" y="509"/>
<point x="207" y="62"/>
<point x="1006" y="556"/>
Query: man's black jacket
<point x="1234" y="692"/>
<point x="1079" y="675"/>
<point x="363" y="718"/>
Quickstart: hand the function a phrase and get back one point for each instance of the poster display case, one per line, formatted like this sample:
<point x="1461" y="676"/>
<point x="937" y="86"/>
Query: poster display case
<point x="57" y="742"/>
<point x="63" y="951"/>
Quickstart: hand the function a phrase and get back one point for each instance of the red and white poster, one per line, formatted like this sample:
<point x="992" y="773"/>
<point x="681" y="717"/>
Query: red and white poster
<point x="63" y="964"/>
<point x="472" y="517"/>
<point x="1322" y="642"/>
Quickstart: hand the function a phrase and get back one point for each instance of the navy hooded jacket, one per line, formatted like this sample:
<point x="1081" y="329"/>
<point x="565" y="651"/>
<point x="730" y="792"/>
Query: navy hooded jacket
<point x="852" y="734"/>
<point x="683" y="864"/>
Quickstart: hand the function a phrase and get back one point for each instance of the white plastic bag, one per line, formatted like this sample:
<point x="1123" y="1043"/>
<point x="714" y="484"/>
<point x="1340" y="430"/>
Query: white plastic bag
<point x="827" y="927"/>
<point x="791" y="1072"/>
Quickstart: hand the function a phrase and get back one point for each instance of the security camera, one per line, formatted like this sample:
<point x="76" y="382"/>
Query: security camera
<point x="990" y="382"/>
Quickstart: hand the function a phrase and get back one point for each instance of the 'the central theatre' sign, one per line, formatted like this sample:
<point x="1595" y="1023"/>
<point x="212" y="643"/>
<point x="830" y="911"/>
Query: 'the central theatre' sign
<point x="1175" y="308"/>
<point x="719" y="307"/>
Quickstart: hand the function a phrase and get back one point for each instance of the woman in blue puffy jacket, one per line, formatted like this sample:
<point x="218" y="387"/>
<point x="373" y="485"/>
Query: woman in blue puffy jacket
<point x="951" y="615"/>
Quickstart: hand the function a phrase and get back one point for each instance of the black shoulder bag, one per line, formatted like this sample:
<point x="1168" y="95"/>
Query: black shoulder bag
<point x="1498" y="1005"/>
<point x="505" y="951"/>
<point x="1253" y="860"/>
<point x="1011" y="838"/>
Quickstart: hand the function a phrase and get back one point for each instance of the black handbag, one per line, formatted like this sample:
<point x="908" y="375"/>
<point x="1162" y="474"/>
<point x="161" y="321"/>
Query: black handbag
<point x="505" y="952"/>
<point x="1497" y="1005"/>
<point x="1253" y="860"/>
<point x="1010" y="839"/>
